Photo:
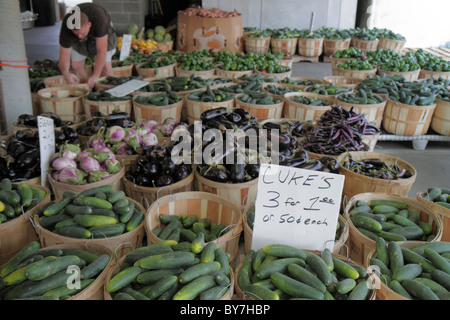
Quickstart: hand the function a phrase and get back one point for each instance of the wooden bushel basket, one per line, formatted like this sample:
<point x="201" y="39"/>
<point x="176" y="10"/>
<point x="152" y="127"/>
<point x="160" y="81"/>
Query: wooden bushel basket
<point x="395" y="45"/>
<point x="59" y="81"/>
<point x="15" y="234"/>
<point x="440" y="211"/>
<point x="158" y="113"/>
<point x="288" y="46"/>
<point x="384" y="292"/>
<point x="358" y="74"/>
<point x="357" y="183"/>
<point x="372" y="112"/>
<point x="195" y="108"/>
<point x="161" y="72"/>
<point x="342" y="81"/>
<point x="67" y="102"/>
<point x="146" y="195"/>
<point x="240" y="294"/>
<point x="124" y="71"/>
<point x="239" y="193"/>
<point x="426" y="74"/>
<point x="164" y="46"/>
<point x="301" y="86"/>
<point x="441" y="117"/>
<point x="205" y="74"/>
<point x="257" y="45"/>
<point x="106" y="107"/>
<point x="407" y="120"/>
<point x="120" y="245"/>
<point x="335" y="61"/>
<point x="365" y="45"/>
<point x="330" y="46"/>
<point x="304" y="112"/>
<point x="309" y="47"/>
<point x="231" y="74"/>
<point x="261" y="111"/>
<point x="409" y="75"/>
<point x="58" y="188"/>
<point x="204" y="204"/>
<point x="361" y="246"/>
<point x="117" y="267"/>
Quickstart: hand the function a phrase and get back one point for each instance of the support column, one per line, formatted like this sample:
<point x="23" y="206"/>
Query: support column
<point x="15" y="81"/>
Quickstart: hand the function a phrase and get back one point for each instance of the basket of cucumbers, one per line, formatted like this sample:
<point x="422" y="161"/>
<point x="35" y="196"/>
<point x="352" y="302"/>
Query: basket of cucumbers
<point x="439" y="201"/>
<point x="306" y="106"/>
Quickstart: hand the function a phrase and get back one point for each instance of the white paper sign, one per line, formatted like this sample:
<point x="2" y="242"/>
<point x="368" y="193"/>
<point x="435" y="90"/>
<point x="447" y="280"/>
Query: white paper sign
<point x="125" y="47"/>
<point x="127" y="87"/>
<point x="297" y="207"/>
<point x="46" y="144"/>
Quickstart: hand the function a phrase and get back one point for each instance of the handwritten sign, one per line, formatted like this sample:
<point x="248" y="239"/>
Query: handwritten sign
<point x="127" y="87"/>
<point x="125" y="47"/>
<point x="297" y="207"/>
<point x="46" y="144"/>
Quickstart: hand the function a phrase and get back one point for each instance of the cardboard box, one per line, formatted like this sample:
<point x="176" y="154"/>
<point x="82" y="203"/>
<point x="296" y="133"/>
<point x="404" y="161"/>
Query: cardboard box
<point x="196" y="33"/>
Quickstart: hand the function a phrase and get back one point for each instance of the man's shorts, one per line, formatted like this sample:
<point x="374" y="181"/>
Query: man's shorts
<point x="75" y="56"/>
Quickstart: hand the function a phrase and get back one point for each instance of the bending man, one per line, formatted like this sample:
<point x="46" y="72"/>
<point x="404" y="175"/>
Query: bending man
<point x="92" y="37"/>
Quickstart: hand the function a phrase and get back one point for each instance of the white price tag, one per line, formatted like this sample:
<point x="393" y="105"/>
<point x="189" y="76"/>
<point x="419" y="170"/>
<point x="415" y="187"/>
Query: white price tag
<point x="125" y="47"/>
<point x="46" y="144"/>
<point x="296" y="207"/>
<point x="127" y="87"/>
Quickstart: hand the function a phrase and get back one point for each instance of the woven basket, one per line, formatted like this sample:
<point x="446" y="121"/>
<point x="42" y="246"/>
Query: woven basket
<point x="441" y="117"/>
<point x="441" y="211"/>
<point x="58" y="188"/>
<point x="309" y="47"/>
<point x="301" y="86"/>
<point x="59" y="81"/>
<point x="342" y="81"/>
<point x="331" y="46"/>
<point x="66" y="102"/>
<point x="231" y="74"/>
<point x="407" y="120"/>
<point x="409" y="75"/>
<point x="206" y="74"/>
<point x="391" y="44"/>
<point x="365" y="45"/>
<point x="106" y="107"/>
<point x="257" y="45"/>
<point x="195" y="108"/>
<point x="335" y="61"/>
<point x="124" y="71"/>
<point x="278" y="76"/>
<point x="357" y="183"/>
<point x="261" y="111"/>
<point x="205" y="205"/>
<point x="361" y="246"/>
<point x="156" y="73"/>
<point x="158" y="113"/>
<point x="15" y="234"/>
<point x="240" y="294"/>
<point x="146" y="195"/>
<point x="372" y="112"/>
<point x="304" y="112"/>
<point x="120" y="245"/>
<point x="118" y="266"/>
<point x="287" y="46"/>
<point x="164" y="46"/>
<point x="426" y="74"/>
<point x="358" y="74"/>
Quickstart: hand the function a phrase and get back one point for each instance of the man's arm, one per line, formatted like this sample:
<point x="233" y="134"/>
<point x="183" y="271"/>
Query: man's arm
<point x="102" y="48"/>
<point x="64" y="65"/>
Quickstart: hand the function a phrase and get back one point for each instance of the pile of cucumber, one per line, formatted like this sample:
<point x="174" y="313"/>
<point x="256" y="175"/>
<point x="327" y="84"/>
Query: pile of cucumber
<point x="112" y="80"/>
<point x="282" y="272"/>
<point x="102" y="95"/>
<point x="93" y="213"/>
<point x="360" y="97"/>
<point x="254" y="85"/>
<point x="418" y="273"/>
<point x="440" y="196"/>
<point x="17" y="198"/>
<point x="177" y="84"/>
<point x="184" y="228"/>
<point x="382" y="83"/>
<point x="326" y="89"/>
<point x="168" y="270"/>
<point x="277" y="90"/>
<point x="41" y="274"/>
<point x="257" y="97"/>
<point x="355" y="64"/>
<point x="160" y="99"/>
<point x="299" y="82"/>
<point x="210" y="95"/>
<point x="390" y="220"/>
<point x="309" y="101"/>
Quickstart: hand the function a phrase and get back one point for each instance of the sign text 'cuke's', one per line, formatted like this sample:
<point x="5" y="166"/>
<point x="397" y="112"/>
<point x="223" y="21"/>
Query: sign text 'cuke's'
<point x="297" y="207"/>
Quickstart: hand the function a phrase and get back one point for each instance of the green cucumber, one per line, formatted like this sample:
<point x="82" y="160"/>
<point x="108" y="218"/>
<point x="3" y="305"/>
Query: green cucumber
<point x="93" y="202"/>
<point x="24" y="253"/>
<point x="410" y="233"/>
<point x="146" y="251"/>
<point x="398" y="288"/>
<point x="437" y="260"/>
<point x="438" y="246"/>
<point x="360" y="291"/>
<point x="221" y="257"/>
<point x="410" y="256"/>
<point x="320" y="268"/>
<point x="215" y="293"/>
<point x="365" y="222"/>
<point x="384" y="209"/>
<point x="92" y="191"/>
<point x="10" y="196"/>
<point x="153" y="276"/>
<point x="198" y="243"/>
<point x="260" y="293"/>
<point x="198" y="270"/>
<point x="208" y="252"/>
<point x="161" y="286"/>
<point x="303" y="275"/>
<point x="395" y="204"/>
<point x="94" y="220"/>
<point x="221" y="279"/>
<point x="77" y="232"/>
<point x="419" y="290"/>
<point x="95" y="267"/>
<point x="69" y="290"/>
<point x="134" y="293"/>
<point x="73" y="210"/>
<point x="433" y="285"/>
<point x="166" y="260"/>
<point x="25" y="193"/>
<point x="56" y="207"/>
<point x="123" y="278"/>
<point x="135" y="220"/>
<point x="441" y="277"/>
<point x="345" y="285"/>
<point x="278" y="265"/>
<point x="295" y="288"/>
<point x="115" y="196"/>
<point x="382" y="251"/>
<point x="47" y="267"/>
<point x="194" y="288"/>
<point x="87" y="256"/>
<point x="284" y="251"/>
<point x="407" y="271"/>
<point x="345" y="269"/>
<point x="395" y="256"/>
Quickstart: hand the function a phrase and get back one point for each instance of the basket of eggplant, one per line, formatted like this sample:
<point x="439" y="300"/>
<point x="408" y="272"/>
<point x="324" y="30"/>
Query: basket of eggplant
<point x="30" y="122"/>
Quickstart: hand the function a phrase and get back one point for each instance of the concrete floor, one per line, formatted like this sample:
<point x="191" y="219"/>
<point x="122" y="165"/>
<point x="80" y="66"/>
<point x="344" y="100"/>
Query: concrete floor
<point x="432" y="164"/>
